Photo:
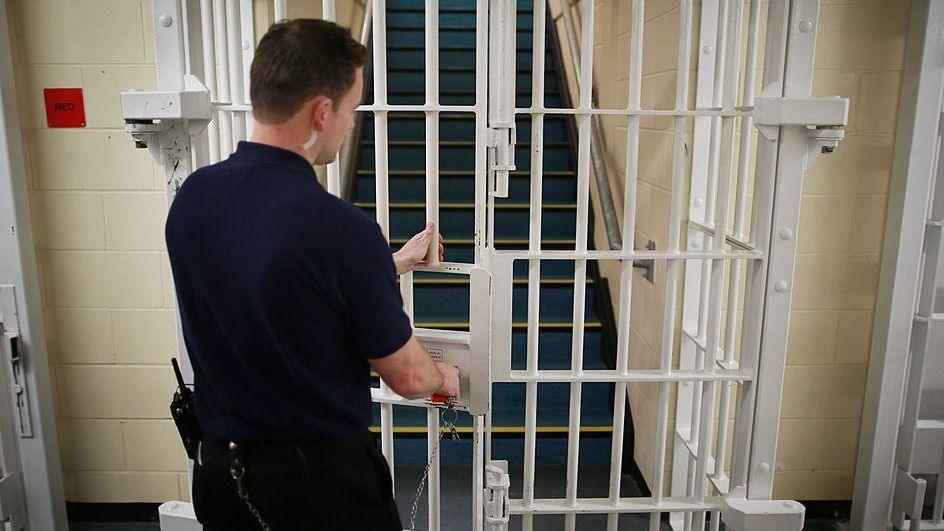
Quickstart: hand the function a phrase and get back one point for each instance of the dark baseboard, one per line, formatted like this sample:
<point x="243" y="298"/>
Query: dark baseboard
<point x="112" y="512"/>
<point x="828" y="509"/>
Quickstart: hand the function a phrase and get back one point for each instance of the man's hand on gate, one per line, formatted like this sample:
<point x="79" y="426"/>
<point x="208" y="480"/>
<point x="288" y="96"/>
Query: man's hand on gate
<point x="450" y="375"/>
<point x="413" y="252"/>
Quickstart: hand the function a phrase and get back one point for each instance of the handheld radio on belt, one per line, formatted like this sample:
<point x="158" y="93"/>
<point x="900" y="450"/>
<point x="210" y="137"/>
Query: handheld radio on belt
<point x="181" y="409"/>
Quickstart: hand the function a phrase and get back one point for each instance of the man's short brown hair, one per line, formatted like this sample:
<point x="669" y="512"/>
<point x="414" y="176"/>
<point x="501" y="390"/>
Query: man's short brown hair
<point x="299" y="59"/>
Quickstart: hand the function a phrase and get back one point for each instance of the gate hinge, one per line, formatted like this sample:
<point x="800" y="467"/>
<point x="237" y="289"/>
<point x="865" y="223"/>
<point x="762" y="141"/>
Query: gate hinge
<point x="19" y="386"/>
<point x="497" y="484"/>
<point x="741" y="514"/>
<point x="160" y="120"/>
<point x="501" y="160"/>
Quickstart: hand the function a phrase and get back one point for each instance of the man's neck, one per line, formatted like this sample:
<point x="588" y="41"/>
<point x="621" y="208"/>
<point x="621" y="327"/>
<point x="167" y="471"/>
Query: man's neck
<point x="280" y="136"/>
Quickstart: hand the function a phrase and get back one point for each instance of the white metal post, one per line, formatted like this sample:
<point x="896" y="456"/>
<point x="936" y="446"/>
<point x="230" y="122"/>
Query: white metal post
<point x="918" y="130"/>
<point x="329" y="12"/>
<point x="791" y="165"/>
<point x="42" y="487"/>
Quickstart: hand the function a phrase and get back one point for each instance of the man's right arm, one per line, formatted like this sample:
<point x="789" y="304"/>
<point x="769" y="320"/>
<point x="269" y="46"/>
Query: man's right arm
<point x="411" y="373"/>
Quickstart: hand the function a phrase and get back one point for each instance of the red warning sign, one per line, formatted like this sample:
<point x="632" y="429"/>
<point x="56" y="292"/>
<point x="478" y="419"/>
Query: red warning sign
<point x="64" y="107"/>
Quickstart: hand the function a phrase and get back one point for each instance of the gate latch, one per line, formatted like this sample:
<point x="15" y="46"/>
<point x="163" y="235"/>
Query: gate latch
<point x="740" y="514"/>
<point x="19" y="387"/>
<point x="824" y="119"/>
<point x="497" y="484"/>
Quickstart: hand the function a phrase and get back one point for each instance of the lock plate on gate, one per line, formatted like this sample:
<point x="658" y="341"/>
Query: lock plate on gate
<point x="466" y="350"/>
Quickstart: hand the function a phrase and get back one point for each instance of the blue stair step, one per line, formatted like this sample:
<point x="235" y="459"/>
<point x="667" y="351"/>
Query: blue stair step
<point x="454" y="35"/>
<point x="453" y="57"/>
<point x="411" y="127"/>
<point x="416" y="18"/>
<point x="454" y="82"/>
<point x="450" y="302"/>
<point x="410" y="187"/>
<point x="454" y="223"/>
<point x="410" y="156"/>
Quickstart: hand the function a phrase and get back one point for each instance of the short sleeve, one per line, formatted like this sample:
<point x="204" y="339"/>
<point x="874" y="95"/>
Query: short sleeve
<point x="369" y="297"/>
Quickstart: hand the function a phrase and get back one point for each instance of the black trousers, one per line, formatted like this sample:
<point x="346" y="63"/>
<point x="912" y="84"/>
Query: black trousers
<point x="297" y="485"/>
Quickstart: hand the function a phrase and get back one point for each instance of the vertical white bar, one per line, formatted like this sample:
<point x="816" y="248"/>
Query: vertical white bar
<point x="706" y="357"/>
<point x="381" y="176"/>
<point x="672" y="266"/>
<point x="478" y="475"/>
<point x="280" y="11"/>
<point x="729" y="38"/>
<point x="481" y="127"/>
<point x="432" y="127"/>
<point x="222" y="62"/>
<point x="692" y="289"/>
<point x="580" y="266"/>
<point x="234" y="47"/>
<point x="534" y="244"/>
<point x="329" y="12"/>
<point x="209" y="74"/>
<point x="626" y="266"/>
<point x="734" y="280"/>
<point x="432" y="441"/>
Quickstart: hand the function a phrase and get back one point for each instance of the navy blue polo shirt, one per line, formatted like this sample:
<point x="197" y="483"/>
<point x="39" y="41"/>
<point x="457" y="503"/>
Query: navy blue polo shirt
<point x="285" y="292"/>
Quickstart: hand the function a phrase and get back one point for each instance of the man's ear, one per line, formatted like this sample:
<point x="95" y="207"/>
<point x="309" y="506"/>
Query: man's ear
<point x="320" y="109"/>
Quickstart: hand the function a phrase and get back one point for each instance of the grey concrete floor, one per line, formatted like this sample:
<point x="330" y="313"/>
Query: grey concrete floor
<point x="456" y="501"/>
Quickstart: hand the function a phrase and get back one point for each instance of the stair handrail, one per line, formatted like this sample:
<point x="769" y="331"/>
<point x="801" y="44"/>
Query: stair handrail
<point x="351" y="146"/>
<point x="607" y="208"/>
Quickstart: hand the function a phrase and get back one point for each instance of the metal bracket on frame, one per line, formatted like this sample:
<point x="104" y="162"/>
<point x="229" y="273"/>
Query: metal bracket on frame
<point x="19" y="386"/>
<point x="907" y="498"/>
<point x="742" y="514"/>
<point x="497" y="485"/>
<point x="163" y="121"/>
<point x="12" y="502"/>
<point x="824" y="119"/>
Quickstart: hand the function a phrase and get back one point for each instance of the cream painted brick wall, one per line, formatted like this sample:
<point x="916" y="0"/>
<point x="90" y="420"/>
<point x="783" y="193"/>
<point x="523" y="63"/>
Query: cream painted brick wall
<point x="860" y="49"/>
<point x="98" y="208"/>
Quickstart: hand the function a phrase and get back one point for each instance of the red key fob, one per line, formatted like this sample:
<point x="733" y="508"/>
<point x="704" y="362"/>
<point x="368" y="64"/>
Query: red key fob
<point x="439" y="399"/>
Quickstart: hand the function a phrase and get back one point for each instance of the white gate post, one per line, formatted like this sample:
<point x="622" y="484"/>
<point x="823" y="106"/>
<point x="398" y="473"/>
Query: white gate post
<point x="19" y="280"/>
<point x="912" y="176"/>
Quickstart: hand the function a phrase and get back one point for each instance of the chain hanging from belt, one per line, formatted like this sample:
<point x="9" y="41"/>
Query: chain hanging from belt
<point x="446" y="425"/>
<point x="237" y="470"/>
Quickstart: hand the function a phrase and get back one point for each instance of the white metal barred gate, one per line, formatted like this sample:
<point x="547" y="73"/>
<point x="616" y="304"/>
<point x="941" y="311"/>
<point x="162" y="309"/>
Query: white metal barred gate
<point x="737" y="253"/>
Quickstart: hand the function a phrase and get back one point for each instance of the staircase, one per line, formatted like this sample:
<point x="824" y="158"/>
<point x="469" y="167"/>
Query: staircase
<point x="441" y="301"/>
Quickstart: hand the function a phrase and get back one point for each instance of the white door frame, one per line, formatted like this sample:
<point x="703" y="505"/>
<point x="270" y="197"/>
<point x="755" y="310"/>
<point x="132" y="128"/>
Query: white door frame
<point x="916" y="144"/>
<point x="22" y="316"/>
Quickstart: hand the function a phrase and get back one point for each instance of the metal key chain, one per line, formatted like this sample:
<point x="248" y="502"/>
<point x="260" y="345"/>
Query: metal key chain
<point x="446" y="424"/>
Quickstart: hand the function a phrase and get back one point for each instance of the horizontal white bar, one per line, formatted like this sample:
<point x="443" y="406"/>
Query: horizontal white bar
<point x="604" y="505"/>
<point x="387" y="396"/>
<point x="925" y="525"/>
<point x="635" y="112"/>
<point x="729" y="238"/>
<point x="417" y="108"/>
<point x="933" y="318"/>
<point x="931" y="425"/>
<point x="699" y="342"/>
<point x="456" y="268"/>
<point x="457" y="337"/>
<point x="242" y="107"/>
<point x="723" y="375"/>
<point x="626" y="255"/>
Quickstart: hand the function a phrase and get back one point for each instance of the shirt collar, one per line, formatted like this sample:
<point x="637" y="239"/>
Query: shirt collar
<point x="256" y="152"/>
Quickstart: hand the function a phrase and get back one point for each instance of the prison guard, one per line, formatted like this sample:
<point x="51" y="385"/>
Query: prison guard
<point x="285" y="292"/>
